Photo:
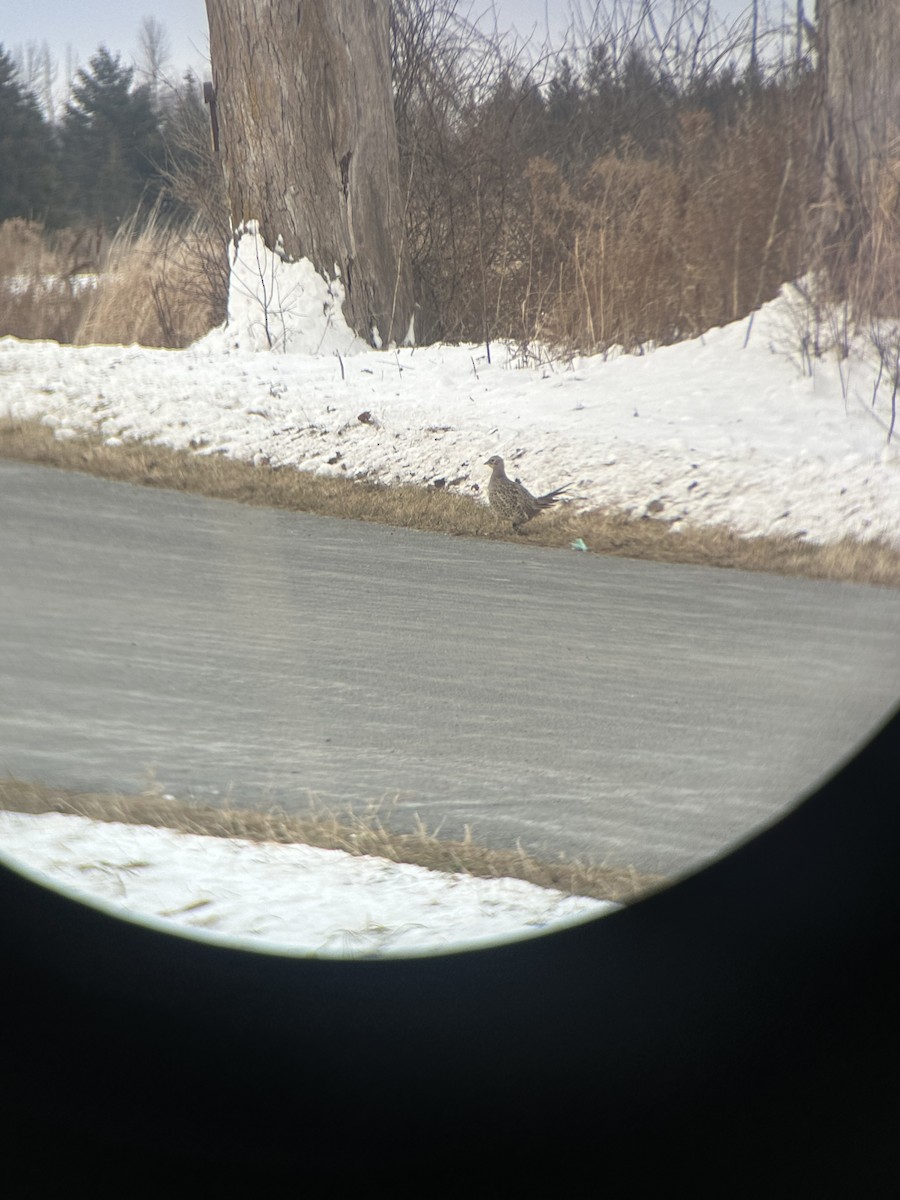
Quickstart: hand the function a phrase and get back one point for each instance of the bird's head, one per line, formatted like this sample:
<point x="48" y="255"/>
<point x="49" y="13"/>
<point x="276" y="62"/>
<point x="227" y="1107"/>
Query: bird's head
<point x="495" y="461"/>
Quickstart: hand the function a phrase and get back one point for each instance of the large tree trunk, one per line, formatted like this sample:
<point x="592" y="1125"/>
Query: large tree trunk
<point x="309" y="146"/>
<point x="859" y="58"/>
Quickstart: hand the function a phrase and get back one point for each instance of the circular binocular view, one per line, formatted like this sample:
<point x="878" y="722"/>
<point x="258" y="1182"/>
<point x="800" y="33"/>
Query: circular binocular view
<point x="462" y="511"/>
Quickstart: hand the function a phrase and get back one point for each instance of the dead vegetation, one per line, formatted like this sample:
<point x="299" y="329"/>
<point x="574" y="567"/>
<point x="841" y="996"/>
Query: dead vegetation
<point x="161" y="285"/>
<point x="437" y="510"/>
<point x="152" y="284"/>
<point x="363" y="833"/>
<point x="45" y="280"/>
<point x="645" y="183"/>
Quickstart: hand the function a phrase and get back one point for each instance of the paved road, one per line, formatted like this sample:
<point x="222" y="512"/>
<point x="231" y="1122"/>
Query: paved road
<point x="622" y="711"/>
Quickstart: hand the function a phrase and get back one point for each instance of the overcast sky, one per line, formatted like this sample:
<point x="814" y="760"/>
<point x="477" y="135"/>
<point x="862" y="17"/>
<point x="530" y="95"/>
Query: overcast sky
<point x="116" y="22"/>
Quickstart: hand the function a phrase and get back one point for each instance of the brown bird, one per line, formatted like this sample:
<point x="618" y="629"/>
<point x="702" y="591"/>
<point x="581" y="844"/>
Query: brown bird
<point x="511" y="501"/>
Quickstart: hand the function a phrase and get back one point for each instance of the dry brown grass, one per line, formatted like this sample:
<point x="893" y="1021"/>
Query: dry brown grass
<point x="43" y="291"/>
<point x="639" y="251"/>
<point x="153" y="285"/>
<point x="160" y="286"/>
<point x="435" y="510"/>
<point x="592" y="228"/>
<point x="357" y="834"/>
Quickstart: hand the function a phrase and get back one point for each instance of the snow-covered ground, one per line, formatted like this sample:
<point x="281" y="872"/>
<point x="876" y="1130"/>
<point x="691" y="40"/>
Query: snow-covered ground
<point x="724" y="429"/>
<point x="295" y="898"/>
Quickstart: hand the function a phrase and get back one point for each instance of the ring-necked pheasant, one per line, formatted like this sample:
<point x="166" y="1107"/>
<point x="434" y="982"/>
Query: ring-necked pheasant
<point x="513" y="502"/>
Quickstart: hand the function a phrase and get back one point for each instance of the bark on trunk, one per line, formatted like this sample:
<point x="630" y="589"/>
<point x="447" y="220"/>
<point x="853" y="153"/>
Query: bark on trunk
<point x="859" y="48"/>
<point x="309" y="145"/>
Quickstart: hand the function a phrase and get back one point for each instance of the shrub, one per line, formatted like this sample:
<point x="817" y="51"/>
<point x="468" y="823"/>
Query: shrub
<point x="633" y="199"/>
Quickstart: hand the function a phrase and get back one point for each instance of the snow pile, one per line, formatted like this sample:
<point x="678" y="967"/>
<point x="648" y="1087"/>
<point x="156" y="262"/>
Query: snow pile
<point x="296" y="898"/>
<point x="275" y="304"/>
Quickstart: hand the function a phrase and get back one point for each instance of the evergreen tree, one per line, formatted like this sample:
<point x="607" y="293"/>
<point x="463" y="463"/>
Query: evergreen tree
<point x="111" y="144"/>
<point x="27" y="170"/>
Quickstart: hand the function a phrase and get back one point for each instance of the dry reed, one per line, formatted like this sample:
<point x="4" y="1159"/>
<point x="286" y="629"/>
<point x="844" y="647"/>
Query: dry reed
<point x="366" y="833"/>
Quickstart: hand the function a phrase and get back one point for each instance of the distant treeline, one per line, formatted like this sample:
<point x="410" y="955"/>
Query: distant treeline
<point x="649" y="180"/>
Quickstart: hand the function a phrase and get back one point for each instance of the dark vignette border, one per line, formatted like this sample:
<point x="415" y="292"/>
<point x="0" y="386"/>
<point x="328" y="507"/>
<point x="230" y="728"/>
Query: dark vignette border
<point x="739" y="1029"/>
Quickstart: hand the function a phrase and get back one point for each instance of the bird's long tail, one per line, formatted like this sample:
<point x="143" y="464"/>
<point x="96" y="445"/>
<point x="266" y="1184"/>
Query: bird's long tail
<point x="551" y="497"/>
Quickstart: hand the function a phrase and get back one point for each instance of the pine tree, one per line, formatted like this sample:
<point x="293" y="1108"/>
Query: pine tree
<point x="28" y="179"/>
<point x="111" y="145"/>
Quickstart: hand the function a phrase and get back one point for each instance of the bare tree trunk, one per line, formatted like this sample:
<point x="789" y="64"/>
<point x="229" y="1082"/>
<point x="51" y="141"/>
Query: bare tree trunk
<point x="859" y="58"/>
<point x="309" y="145"/>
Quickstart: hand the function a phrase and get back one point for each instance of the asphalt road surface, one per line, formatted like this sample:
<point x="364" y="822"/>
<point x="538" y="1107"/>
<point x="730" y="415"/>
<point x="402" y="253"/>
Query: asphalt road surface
<point x="624" y="712"/>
